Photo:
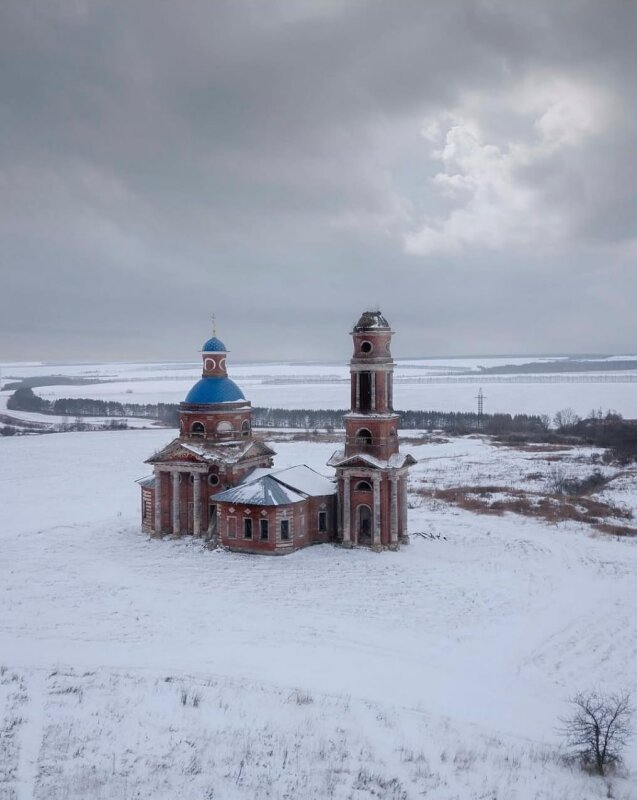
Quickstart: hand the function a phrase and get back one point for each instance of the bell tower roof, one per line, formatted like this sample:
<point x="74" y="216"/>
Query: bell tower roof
<point x="371" y="321"/>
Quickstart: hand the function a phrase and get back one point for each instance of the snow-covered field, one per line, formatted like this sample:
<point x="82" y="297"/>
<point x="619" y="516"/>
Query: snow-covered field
<point x="136" y="668"/>
<point x="420" y="384"/>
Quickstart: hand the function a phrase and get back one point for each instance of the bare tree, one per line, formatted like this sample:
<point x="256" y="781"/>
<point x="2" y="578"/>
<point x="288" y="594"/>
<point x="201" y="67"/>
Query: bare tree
<point x="599" y="728"/>
<point x="565" y="418"/>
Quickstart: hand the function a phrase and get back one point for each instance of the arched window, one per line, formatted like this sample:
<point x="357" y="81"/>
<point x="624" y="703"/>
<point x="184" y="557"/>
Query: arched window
<point x="363" y="486"/>
<point x="245" y="428"/>
<point x="364" y="436"/>
<point x="224" y="428"/>
<point x="197" y="429"/>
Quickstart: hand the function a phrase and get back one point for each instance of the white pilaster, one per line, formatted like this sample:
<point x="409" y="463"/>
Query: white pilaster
<point x="196" y="504"/>
<point x="157" y="500"/>
<point x="176" y="519"/>
<point x="403" y="503"/>
<point x="376" y="492"/>
<point x="358" y="391"/>
<point x="373" y="382"/>
<point x="346" y="510"/>
<point x="393" y="531"/>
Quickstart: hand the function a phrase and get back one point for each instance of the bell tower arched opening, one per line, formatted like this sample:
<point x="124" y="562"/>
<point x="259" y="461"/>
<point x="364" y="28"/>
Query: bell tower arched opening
<point x="364" y="436"/>
<point x="364" y="391"/>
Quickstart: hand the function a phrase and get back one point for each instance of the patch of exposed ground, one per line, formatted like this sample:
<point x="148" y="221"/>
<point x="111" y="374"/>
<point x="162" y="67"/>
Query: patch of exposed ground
<point x="604" y="516"/>
<point x="533" y="447"/>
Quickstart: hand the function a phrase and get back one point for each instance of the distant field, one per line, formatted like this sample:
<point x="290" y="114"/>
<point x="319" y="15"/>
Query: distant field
<point x="441" y="384"/>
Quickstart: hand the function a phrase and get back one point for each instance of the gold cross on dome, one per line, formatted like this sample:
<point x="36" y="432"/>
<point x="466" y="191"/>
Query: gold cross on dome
<point x="214" y="325"/>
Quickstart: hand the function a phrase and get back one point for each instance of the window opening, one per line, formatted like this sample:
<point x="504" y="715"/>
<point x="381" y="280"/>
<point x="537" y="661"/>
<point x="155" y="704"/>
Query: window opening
<point x="198" y="429"/>
<point x="365" y="391"/>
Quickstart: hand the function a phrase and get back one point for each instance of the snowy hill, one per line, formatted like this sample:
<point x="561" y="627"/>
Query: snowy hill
<point x="159" y="669"/>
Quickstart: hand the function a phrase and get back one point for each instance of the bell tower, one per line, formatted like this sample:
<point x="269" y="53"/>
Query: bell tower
<point x="371" y="424"/>
<point x="371" y="473"/>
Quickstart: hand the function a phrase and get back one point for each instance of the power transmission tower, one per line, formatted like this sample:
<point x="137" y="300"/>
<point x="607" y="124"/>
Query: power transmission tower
<point x="480" y="399"/>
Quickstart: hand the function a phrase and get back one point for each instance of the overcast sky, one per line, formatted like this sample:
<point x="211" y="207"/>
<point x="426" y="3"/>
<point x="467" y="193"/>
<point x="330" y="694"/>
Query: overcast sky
<point x="468" y="167"/>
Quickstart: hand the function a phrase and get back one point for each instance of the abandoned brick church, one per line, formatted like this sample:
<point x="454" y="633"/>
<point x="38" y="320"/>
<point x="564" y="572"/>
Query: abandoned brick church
<point x="217" y="480"/>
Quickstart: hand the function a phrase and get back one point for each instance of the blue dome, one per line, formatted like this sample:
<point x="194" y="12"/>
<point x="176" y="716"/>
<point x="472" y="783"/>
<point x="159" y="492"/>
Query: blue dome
<point x="214" y="390"/>
<point x="214" y="345"/>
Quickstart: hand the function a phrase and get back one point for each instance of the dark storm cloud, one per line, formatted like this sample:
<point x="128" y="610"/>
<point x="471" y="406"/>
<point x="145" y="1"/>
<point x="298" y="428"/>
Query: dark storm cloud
<point x="265" y="160"/>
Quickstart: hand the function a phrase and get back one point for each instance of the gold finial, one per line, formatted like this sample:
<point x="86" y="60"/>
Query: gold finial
<point x="214" y="325"/>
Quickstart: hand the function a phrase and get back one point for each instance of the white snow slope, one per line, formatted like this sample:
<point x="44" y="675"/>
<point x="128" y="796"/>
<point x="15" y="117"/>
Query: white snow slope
<point x="136" y="668"/>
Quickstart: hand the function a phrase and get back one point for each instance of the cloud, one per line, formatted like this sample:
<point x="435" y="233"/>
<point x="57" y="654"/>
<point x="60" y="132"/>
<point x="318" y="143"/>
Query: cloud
<point x="161" y="160"/>
<point x="496" y="205"/>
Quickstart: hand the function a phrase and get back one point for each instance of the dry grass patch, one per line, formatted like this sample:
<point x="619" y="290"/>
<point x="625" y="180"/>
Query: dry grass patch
<point x="552" y="508"/>
<point x="413" y="441"/>
<point x="535" y="476"/>
<point x="296" y="435"/>
<point x="615" y="530"/>
<point x="533" y="447"/>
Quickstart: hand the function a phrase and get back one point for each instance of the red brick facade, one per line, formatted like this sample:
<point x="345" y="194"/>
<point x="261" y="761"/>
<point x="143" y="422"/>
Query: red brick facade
<point x="277" y="530"/>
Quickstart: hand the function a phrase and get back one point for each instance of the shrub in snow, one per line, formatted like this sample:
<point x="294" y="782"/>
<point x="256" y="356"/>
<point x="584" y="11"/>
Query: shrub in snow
<point x="598" y="729"/>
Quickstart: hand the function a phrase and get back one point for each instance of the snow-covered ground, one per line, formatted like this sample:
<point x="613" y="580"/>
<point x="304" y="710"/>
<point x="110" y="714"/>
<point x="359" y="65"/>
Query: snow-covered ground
<point x="137" y="668"/>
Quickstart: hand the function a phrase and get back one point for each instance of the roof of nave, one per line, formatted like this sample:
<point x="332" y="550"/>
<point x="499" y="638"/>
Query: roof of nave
<point x="265" y="491"/>
<point x="214" y="389"/>
<point x="214" y="345"/>
<point x="212" y="453"/>
<point x="272" y="487"/>
<point x="301" y="478"/>
<point x="395" y="461"/>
